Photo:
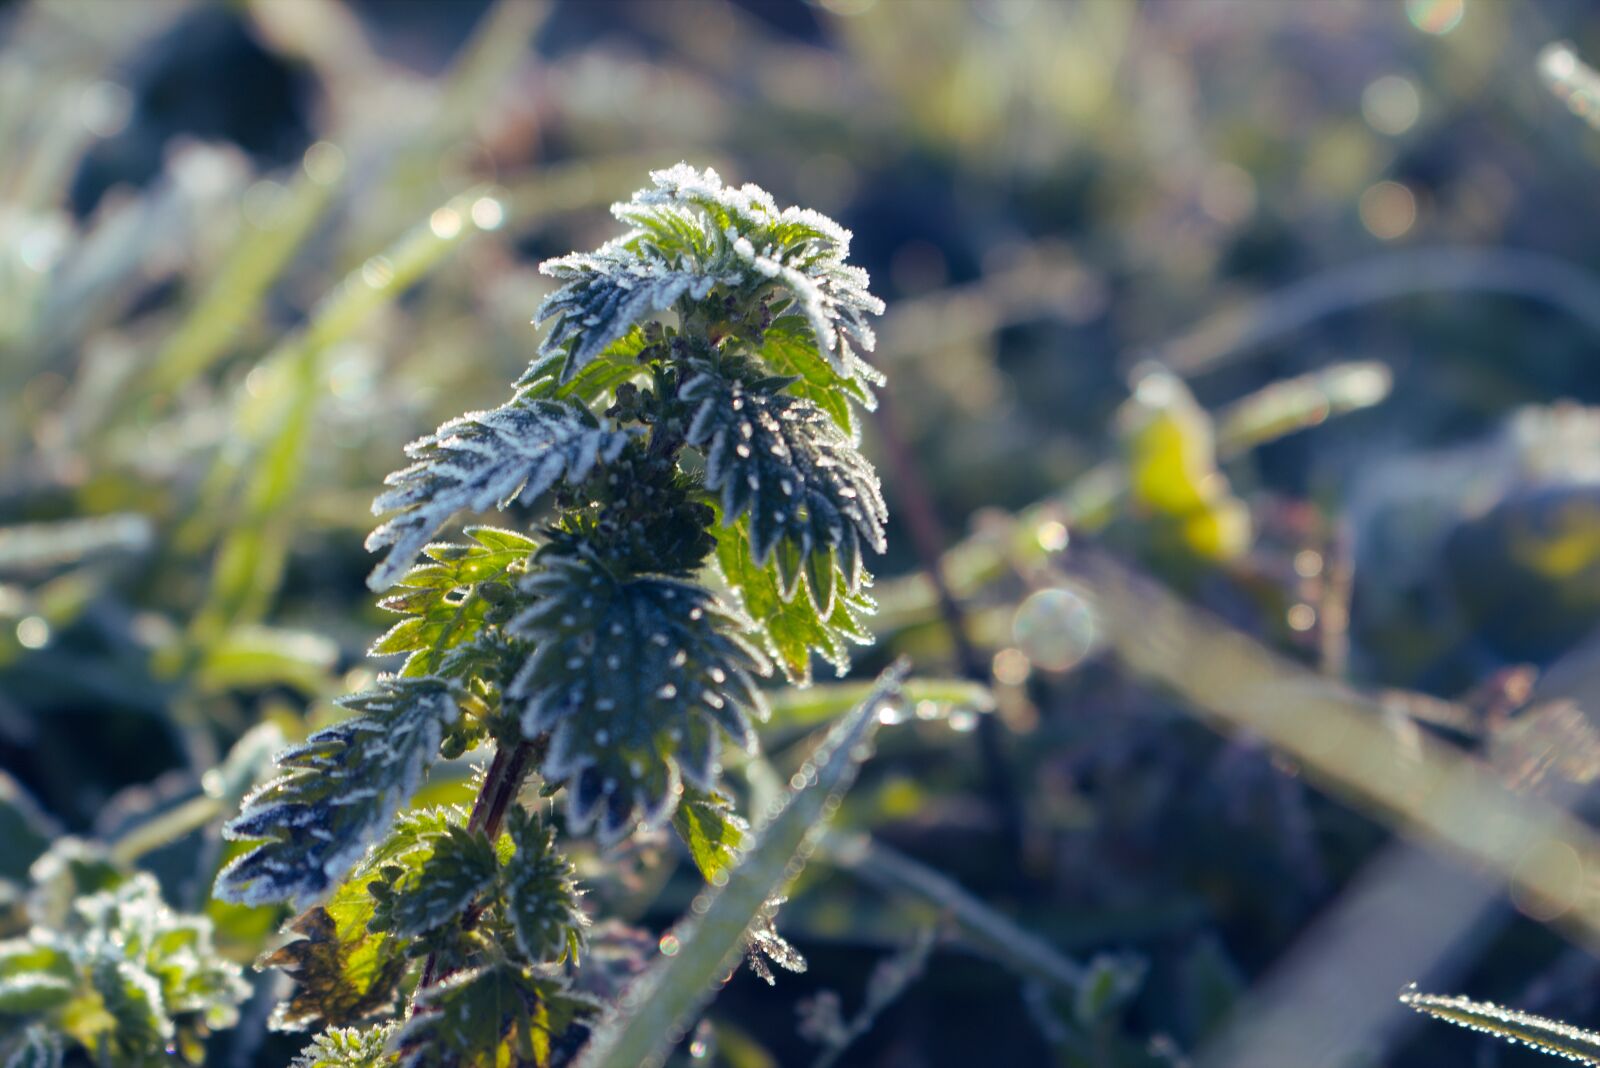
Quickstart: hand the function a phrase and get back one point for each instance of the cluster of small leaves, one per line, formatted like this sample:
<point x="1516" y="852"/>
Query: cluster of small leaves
<point x="692" y="415"/>
<point x="407" y="899"/>
<point x="109" y="968"/>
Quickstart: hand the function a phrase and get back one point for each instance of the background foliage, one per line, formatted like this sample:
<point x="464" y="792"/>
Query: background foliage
<point x="1289" y="308"/>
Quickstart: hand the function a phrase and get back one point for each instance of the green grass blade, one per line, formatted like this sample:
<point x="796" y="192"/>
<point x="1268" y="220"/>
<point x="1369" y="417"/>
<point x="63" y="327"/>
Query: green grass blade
<point x="661" y="1003"/>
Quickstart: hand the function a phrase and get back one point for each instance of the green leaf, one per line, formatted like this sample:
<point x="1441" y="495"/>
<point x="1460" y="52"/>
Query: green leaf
<point x="632" y="680"/>
<point x="344" y="970"/>
<point x="541" y="896"/>
<point x="497" y="1015"/>
<point x="134" y="1022"/>
<point x="340" y="790"/>
<point x="790" y="628"/>
<point x="485" y="460"/>
<point x="713" y="831"/>
<point x="1549" y="1036"/>
<point x="812" y="501"/>
<point x="789" y="348"/>
<point x="447" y="601"/>
<point x="667" y="996"/>
<point x="348" y="1047"/>
<point x="437" y="887"/>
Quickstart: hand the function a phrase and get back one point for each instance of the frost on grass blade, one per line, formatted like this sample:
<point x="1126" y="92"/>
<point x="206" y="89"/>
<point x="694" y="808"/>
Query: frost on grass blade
<point x="719" y="929"/>
<point x="340" y="791"/>
<point x="633" y="679"/>
<point x="1538" y="1032"/>
<point x="813" y="501"/>
<point x="480" y="461"/>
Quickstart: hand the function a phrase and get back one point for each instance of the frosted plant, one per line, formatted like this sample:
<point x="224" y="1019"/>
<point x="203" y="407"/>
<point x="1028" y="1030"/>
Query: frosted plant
<point x="108" y="968"/>
<point x="687" y="438"/>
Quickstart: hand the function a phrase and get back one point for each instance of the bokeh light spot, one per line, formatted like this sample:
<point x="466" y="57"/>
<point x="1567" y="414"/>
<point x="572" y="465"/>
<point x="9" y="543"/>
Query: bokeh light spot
<point x="1391" y="104"/>
<point x="1054" y="629"/>
<point x="1388" y="210"/>
<point x="1437" y="17"/>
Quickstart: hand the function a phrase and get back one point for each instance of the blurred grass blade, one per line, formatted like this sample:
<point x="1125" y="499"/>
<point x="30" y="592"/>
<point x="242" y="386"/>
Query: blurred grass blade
<point x="1537" y="1032"/>
<point x="37" y="545"/>
<point x="1341" y="739"/>
<point x="1293" y="404"/>
<point x="996" y="935"/>
<point x="278" y="422"/>
<point x="1089" y="501"/>
<point x="806" y="708"/>
<point x="258" y="257"/>
<point x="661" y="1002"/>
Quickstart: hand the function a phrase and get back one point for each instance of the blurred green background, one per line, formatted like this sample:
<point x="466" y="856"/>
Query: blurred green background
<point x="1291" y="305"/>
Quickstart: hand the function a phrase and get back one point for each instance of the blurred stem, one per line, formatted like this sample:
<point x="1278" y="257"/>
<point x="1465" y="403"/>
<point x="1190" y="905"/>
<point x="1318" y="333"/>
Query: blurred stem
<point x="928" y="539"/>
<point x="1000" y="938"/>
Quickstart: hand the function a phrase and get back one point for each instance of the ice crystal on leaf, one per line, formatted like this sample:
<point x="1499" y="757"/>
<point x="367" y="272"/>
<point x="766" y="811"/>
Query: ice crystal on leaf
<point x="484" y="460"/>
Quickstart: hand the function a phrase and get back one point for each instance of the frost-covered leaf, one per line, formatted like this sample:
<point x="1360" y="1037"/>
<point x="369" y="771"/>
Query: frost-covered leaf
<point x="802" y="250"/>
<point x="690" y="235"/>
<point x="35" y="1046"/>
<point x="447" y="600"/>
<point x="712" y="830"/>
<point x="124" y="976"/>
<point x="541" y="896"/>
<point x="418" y="898"/>
<point x="632" y="678"/>
<point x="1546" y="1035"/>
<point x="344" y="971"/>
<point x="764" y="946"/>
<point x="791" y="628"/>
<point x="348" y="1047"/>
<point x="813" y="501"/>
<point x="484" y="460"/>
<point x="340" y="791"/>
<point x="496" y="1015"/>
<point x="605" y="293"/>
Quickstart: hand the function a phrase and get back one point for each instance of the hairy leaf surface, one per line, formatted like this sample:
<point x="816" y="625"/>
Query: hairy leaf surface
<point x="792" y="627"/>
<point x="443" y="602"/>
<point x="499" y="1014"/>
<point x="632" y="679"/>
<point x="340" y="791"/>
<point x="813" y="501"/>
<point x="541" y="896"/>
<point x="484" y="460"/>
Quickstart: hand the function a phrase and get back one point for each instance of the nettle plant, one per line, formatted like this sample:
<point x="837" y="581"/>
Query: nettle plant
<point x="692" y="416"/>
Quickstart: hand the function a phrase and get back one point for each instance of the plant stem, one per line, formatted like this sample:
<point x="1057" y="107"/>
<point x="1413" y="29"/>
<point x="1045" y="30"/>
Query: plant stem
<point x="500" y="785"/>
